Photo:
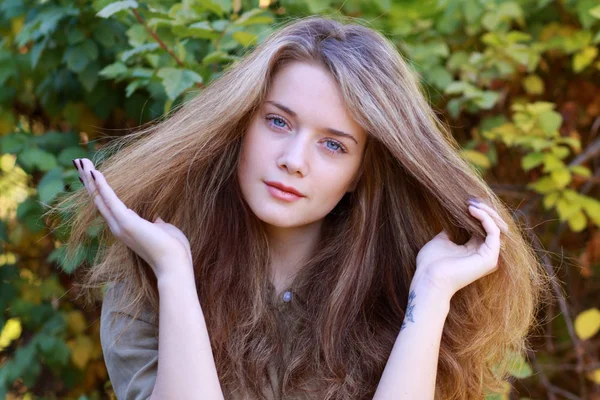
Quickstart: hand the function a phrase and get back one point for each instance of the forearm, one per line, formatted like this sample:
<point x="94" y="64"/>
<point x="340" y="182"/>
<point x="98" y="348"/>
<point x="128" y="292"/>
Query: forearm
<point x="186" y="367"/>
<point x="411" y="369"/>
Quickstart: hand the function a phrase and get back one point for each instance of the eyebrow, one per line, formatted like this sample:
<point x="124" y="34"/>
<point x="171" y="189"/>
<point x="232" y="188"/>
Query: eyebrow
<point x="293" y="114"/>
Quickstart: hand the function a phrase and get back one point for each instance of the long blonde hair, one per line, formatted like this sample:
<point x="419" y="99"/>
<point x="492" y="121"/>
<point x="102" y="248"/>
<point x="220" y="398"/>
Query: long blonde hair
<point x="352" y="293"/>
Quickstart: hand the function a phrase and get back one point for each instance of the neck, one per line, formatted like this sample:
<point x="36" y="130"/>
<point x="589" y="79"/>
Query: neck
<point x="290" y="248"/>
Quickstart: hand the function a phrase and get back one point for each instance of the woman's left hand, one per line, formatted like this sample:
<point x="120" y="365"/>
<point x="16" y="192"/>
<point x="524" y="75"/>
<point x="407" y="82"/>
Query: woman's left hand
<point x="446" y="267"/>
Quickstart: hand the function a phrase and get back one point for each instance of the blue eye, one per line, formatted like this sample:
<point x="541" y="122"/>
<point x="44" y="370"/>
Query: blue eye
<point x="277" y="119"/>
<point x="339" y="149"/>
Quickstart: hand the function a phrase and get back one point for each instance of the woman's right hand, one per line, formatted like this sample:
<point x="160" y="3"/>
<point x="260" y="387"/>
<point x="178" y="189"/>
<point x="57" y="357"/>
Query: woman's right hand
<point x="163" y="246"/>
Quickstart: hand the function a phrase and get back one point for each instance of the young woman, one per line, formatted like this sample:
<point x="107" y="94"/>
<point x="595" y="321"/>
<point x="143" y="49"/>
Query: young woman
<point x="302" y="229"/>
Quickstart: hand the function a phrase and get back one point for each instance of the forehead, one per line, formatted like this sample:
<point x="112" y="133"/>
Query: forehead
<point x="314" y="95"/>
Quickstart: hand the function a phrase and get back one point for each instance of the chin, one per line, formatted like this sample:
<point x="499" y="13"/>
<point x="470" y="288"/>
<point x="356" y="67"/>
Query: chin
<point x="278" y="219"/>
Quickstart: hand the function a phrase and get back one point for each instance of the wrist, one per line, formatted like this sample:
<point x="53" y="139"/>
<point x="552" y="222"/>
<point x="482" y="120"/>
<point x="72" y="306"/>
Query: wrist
<point x="175" y="273"/>
<point x="428" y="295"/>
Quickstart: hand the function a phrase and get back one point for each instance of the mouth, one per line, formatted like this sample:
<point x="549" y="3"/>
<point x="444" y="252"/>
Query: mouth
<point x="283" y="192"/>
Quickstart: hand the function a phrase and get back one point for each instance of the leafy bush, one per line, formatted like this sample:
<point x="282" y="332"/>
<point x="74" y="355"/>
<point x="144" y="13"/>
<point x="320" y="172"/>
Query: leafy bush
<point x="517" y="81"/>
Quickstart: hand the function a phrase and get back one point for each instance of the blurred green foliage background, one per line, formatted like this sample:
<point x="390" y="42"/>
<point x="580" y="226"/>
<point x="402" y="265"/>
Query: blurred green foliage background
<point x="518" y="81"/>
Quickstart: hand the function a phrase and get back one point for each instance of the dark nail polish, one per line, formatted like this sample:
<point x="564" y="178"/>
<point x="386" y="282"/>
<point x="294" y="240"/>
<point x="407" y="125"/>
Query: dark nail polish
<point x="80" y="180"/>
<point x="75" y="164"/>
<point x="93" y="175"/>
<point x="81" y="163"/>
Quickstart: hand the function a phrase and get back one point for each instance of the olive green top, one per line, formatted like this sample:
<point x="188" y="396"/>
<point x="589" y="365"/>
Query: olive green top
<point x="132" y="358"/>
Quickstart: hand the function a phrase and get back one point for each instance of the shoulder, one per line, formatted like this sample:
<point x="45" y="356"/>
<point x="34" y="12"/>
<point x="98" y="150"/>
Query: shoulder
<point x="129" y="343"/>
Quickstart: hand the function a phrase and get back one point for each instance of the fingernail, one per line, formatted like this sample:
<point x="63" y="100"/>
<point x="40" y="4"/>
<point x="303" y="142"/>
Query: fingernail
<point x="75" y="164"/>
<point x="81" y="163"/>
<point x="473" y="199"/>
<point x="80" y="180"/>
<point x="91" y="172"/>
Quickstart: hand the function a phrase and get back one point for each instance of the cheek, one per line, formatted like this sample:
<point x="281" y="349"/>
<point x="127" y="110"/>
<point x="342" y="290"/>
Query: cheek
<point x="333" y="184"/>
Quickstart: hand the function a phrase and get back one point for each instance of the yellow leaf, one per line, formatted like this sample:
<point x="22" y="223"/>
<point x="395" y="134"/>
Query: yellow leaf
<point x="533" y="84"/>
<point x="584" y="58"/>
<point x="594" y="376"/>
<point x="477" y="158"/>
<point x="550" y="200"/>
<point x="82" y="349"/>
<point x="16" y="24"/>
<point x="11" y="331"/>
<point x="587" y="323"/>
<point x="577" y="222"/>
<point x="76" y="322"/>
<point x="561" y="177"/>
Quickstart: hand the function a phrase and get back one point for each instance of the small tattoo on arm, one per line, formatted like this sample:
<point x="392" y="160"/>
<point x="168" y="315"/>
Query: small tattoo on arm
<point x="409" y="309"/>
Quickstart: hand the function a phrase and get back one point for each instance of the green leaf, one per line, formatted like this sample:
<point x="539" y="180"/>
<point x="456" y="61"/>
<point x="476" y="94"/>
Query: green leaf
<point x="566" y="209"/>
<point x="37" y="158"/>
<point x="71" y="153"/>
<point x="244" y="38"/>
<point x="55" y="351"/>
<point x="68" y="265"/>
<point x="550" y="200"/>
<point x="89" y="76"/>
<point x="114" y="70"/>
<point x="51" y="185"/>
<point x="592" y="209"/>
<point x="116" y="7"/>
<point x="562" y="177"/>
<point x="143" y="49"/>
<point x="176" y="80"/>
<point x="577" y="221"/>
<point x="532" y="160"/>
<point x="581" y="170"/>
<point x="519" y="368"/>
<point x="135" y="85"/>
<point x="36" y="51"/>
<point x="200" y="30"/>
<point x="477" y="158"/>
<point x="454" y="107"/>
<point x="217" y="57"/>
<point x="551" y="163"/>
<point x="76" y="58"/>
<point x="595" y="12"/>
<point x="13" y="143"/>
<point x="549" y="122"/>
<point x="573" y="142"/>
<point x="543" y="185"/>
<point x="439" y="76"/>
<point x="487" y="100"/>
<point x="560" y="151"/>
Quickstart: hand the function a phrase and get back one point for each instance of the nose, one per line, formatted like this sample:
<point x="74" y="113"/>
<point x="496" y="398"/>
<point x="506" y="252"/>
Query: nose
<point x="294" y="155"/>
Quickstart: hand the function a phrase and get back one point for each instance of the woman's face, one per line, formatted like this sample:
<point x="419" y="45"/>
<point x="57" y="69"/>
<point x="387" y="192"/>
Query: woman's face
<point x="288" y="141"/>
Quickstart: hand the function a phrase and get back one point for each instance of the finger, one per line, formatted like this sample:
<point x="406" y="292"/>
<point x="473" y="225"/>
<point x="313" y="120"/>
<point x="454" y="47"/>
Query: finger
<point x="112" y="201"/>
<point x="492" y="239"/>
<point x="501" y="223"/>
<point x="92" y="188"/>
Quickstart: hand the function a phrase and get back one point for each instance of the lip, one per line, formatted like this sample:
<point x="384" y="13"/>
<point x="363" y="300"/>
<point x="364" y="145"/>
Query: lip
<point x="288" y="189"/>
<point x="283" y="192"/>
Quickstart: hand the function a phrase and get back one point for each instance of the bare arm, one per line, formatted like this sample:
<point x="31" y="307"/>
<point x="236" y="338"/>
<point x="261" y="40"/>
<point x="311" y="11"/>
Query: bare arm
<point x="186" y="367"/>
<point x="411" y="370"/>
<point x="443" y="268"/>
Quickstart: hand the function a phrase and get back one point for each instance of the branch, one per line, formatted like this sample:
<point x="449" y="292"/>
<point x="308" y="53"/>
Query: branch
<point x="159" y="41"/>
